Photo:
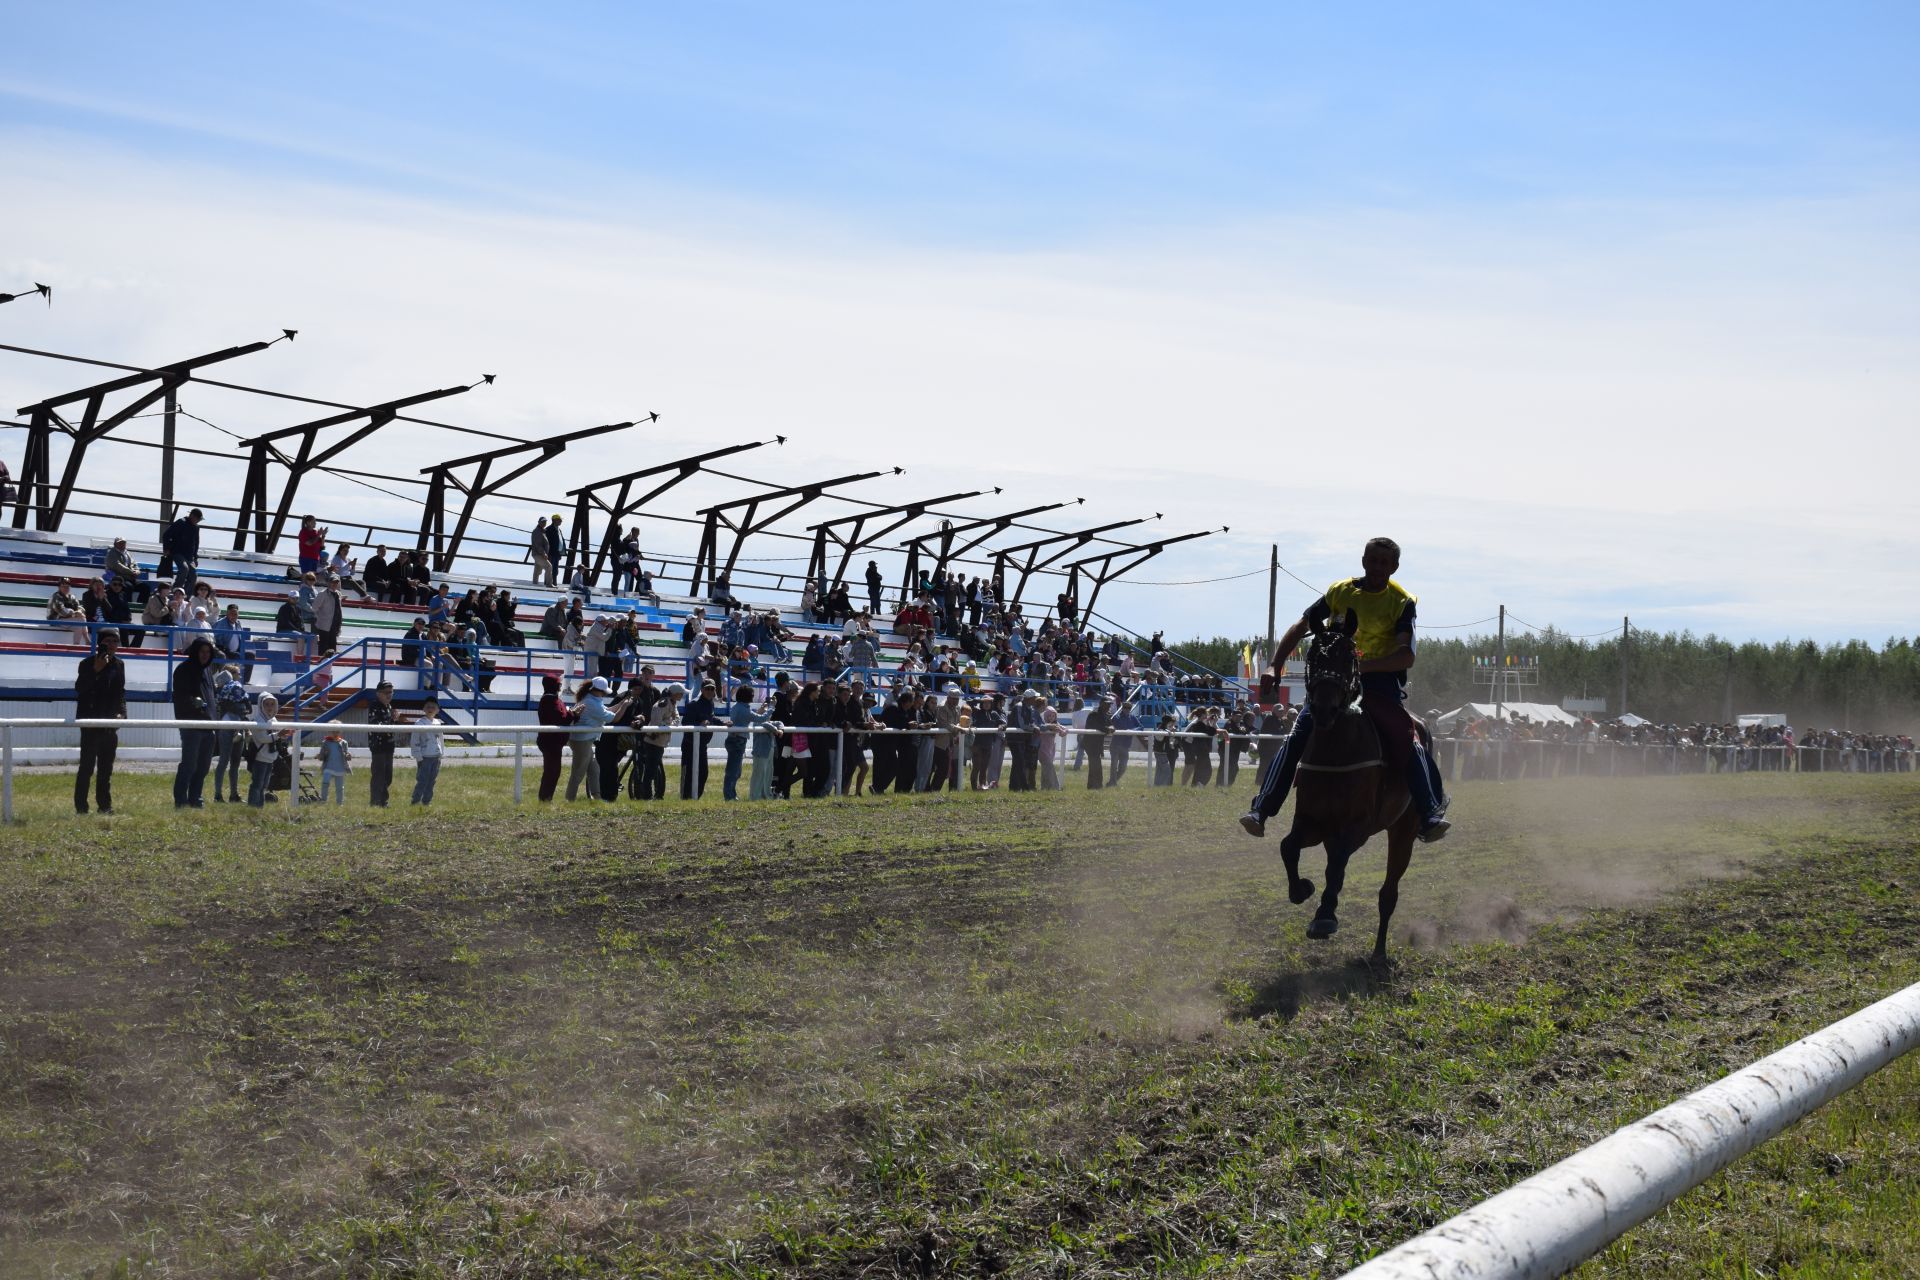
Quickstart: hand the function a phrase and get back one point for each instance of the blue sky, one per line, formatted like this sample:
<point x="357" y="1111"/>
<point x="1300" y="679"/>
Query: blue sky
<point x="1595" y="268"/>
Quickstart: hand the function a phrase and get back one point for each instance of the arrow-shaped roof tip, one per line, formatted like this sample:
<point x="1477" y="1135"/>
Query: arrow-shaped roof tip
<point x="487" y="378"/>
<point x="653" y="416"/>
<point x="779" y="439"/>
<point x="996" y="488"/>
<point x="291" y="334"/>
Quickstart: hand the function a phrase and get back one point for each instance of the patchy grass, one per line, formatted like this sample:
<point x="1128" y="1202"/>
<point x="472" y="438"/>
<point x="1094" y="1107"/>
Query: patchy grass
<point x="1077" y="1033"/>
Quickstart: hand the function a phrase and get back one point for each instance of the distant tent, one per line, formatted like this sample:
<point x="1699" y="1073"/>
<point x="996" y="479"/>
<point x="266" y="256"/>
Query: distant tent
<point x="1534" y="712"/>
<point x="1633" y="721"/>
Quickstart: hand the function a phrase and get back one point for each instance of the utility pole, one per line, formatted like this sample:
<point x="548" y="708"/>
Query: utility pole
<point x="1500" y="668"/>
<point x="1726" y="712"/>
<point x="1273" y="596"/>
<point x="169" y="421"/>
<point x="1626" y="629"/>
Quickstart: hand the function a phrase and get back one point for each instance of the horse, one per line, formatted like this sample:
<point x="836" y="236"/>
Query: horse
<point x="1345" y="792"/>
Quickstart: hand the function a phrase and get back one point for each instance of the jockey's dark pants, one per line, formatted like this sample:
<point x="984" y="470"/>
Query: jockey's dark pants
<point x="1399" y="742"/>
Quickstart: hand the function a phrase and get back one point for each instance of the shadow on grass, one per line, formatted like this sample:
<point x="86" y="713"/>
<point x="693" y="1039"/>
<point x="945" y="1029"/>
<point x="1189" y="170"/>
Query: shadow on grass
<point x="1284" y="995"/>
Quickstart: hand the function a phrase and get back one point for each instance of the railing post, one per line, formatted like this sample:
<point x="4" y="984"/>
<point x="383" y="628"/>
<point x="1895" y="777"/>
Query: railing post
<point x="293" y="771"/>
<point x="519" y="761"/>
<point x="6" y="773"/>
<point x="839" y="756"/>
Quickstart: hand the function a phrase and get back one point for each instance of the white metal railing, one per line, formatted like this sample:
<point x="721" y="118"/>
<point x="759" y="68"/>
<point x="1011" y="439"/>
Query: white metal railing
<point x="1507" y="760"/>
<point x="1554" y="1220"/>
<point x="518" y="734"/>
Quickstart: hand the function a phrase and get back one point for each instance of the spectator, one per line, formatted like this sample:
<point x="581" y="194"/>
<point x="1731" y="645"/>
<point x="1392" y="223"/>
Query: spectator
<point x="874" y="583"/>
<point x="329" y="610"/>
<point x="741" y="717"/>
<point x="577" y="584"/>
<point x="156" y="614"/>
<point x="193" y="700"/>
<point x="626" y="561"/>
<point x="374" y="580"/>
<point x="594" y="713"/>
<point x="268" y="739"/>
<point x="426" y="748"/>
<point x="117" y="609"/>
<point x="230" y="704"/>
<point x="760" y="785"/>
<point x="539" y="557"/>
<point x="93" y="603"/>
<point x="808" y="599"/>
<point x="721" y="593"/>
<point x="231" y="637"/>
<point x="554" y="549"/>
<point x="440" y="606"/>
<point x="1098" y="729"/>
<point x="99" y="693"/>
<point x="420" y="578"/>
<point x="380" y="746"/>
<point x="553" y="746"/>
<point x="180" y="549"/>
<point x="290" y="625"/>
<point x="693" y="746"/>
<point x="203" y="598"/>
<point x="336" y="762"/>
<point x="651" y="754"/>
<point x="341" y="567"/>
<point x="120" y="564"/>
<point x="313" y="546"/>
<point x="63" y="607"/>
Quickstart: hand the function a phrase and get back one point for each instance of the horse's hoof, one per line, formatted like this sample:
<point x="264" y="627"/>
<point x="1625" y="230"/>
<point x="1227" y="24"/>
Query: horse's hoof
<point x="1300" y="891"/>
<point x="1323" y="927"/>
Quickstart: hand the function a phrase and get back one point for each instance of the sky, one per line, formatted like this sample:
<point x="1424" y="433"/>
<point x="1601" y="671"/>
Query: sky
<point x="1598" y="310"/>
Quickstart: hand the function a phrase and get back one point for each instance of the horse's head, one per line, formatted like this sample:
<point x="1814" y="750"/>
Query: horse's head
<point x="1333" y="668"/>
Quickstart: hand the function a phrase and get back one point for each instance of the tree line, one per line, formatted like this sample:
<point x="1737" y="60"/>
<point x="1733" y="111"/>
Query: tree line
<point x="1671" y="676"/>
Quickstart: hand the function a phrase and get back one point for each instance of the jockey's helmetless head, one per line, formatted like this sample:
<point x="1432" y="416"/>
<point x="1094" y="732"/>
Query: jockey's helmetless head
<point x="1381" y="559"/>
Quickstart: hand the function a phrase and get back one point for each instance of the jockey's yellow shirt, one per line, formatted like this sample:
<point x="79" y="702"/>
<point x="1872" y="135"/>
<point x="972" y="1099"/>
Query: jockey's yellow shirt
<point x="1380" y="618"/>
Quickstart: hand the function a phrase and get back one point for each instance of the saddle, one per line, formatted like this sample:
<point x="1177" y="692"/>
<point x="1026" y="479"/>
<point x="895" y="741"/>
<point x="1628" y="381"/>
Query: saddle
<point x="1345" y="778"/>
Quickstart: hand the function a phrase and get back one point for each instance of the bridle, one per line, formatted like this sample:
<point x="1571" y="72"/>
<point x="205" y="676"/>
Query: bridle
<point x="1331" y="660"/>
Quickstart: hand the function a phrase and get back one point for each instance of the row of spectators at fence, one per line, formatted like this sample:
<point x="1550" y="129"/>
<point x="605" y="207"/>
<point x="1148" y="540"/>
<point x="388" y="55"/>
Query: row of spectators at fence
<point x="791" y="755"/>
<point x="1650" y="747"/>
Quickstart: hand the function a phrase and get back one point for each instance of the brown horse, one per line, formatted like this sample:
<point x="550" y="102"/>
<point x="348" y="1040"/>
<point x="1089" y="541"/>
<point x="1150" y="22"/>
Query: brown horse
<point x="1345" y="791"/>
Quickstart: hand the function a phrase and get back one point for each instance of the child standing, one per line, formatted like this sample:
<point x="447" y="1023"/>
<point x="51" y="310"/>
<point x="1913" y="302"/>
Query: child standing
<point x="335" y="764"/>
<point x="426" y="755"/>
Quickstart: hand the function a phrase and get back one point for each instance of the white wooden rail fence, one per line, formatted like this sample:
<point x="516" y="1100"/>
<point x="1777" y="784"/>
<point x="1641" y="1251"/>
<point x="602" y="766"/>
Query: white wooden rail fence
<point x="1549" y="1224"/>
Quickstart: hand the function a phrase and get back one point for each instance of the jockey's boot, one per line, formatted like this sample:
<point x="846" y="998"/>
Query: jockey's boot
<point x="1426" y="799"/>
<point x="1276" y="779"/>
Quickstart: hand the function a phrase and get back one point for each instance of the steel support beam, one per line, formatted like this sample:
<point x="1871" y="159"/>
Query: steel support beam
<point x="859" y="537"/>
<point x="946" y="534"/>
<point x="625" y="505"/>
<point x="1027" y="558"/>
<point x="44" y="290"/>
<point x="1102" y="569"/>
<point x="46" y="419"/>
<point x="266" y="449"/>
<point x="707" y="567"/>
<point x="442" y="477"/>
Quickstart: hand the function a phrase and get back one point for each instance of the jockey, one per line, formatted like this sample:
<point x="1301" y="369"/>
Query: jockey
<point x="1383" y="640"/>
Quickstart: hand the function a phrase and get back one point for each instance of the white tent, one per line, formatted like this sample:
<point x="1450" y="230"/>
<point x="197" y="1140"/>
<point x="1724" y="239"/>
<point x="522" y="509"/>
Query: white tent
<point x="1633" y="721"/>
<point x="1536" y="712"/>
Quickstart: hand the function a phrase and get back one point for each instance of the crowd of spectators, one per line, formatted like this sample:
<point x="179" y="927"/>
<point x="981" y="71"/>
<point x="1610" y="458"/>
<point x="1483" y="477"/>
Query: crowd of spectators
<point x="1486" y="747"/>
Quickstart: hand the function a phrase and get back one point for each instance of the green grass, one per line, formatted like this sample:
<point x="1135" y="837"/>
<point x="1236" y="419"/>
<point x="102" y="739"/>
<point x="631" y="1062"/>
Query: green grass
<point x="1064" y="1034"/>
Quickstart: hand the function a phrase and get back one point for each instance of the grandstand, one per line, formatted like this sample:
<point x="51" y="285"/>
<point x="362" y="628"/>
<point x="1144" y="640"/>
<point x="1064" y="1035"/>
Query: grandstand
<point x="38" y="657"/>
<point x="63" y="524"/>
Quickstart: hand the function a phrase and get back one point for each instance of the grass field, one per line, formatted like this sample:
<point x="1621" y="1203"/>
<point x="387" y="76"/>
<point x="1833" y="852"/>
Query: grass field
<point x="1076" y="1034"/>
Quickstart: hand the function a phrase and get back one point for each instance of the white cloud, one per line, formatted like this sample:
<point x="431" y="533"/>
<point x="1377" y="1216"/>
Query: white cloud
<point x="1571" y="413"/>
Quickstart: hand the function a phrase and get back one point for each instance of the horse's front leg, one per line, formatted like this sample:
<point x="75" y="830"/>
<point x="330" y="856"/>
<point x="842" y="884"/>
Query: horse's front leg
<point x="1326" y="921"/>
<point x="1299" y="889"/>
